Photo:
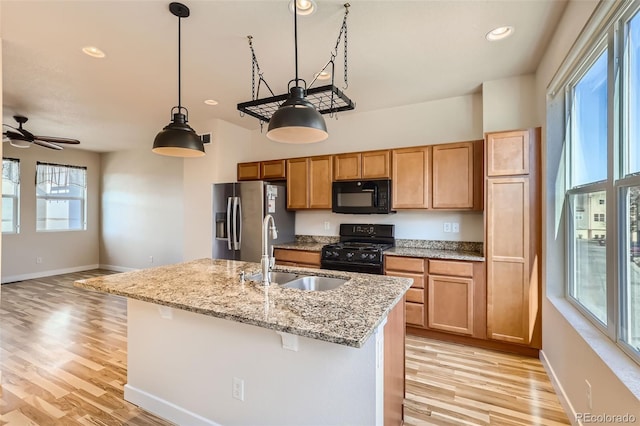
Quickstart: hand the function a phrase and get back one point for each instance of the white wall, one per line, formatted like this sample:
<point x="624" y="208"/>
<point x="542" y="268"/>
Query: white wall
<point x="60" y="251"/>
<point x="142" y="210"/>
<point x="509" y="104"/>
<point x="568" y="339"/>
<point x="447" y="120"/>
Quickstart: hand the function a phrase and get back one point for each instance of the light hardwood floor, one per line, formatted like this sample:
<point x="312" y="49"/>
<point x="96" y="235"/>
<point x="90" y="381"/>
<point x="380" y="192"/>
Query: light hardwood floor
<point x="63" y="359"/>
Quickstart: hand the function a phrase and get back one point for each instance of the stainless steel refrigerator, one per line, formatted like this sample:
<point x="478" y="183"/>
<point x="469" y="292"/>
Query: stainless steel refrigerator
<point x="238" y="211"/>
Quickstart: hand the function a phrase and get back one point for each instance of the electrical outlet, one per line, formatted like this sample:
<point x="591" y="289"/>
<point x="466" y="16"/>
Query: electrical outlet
<point x="589" y="401"/>
<point x="455" y="227"/>
<point x="447" y="227"/>
<point x="150" y="259"/>
<point x="327" y="225"/>
<point x="237" y="390"/>
<point x="38" y="260"/>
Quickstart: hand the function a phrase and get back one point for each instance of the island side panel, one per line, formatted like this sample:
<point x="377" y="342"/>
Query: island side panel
<point x="182" y="366"/>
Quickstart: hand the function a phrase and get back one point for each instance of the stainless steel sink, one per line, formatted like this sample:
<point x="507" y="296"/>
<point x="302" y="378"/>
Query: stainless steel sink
<point x="275" y="277"/>
<point x="315" y="283"/>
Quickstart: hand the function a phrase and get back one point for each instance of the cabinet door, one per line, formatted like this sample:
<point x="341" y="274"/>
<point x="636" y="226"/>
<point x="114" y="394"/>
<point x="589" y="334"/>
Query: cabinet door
<point x="411" y="178"/>
<point x="509" y="281"/>
<point x="508" y="153"/>
<point x="320" y="178"/>
<point x="297" y="169"/>
<point x="450" y="304"/>
<point x="376" y="164"/>
<point x="275" y="169"/>
<point x="453" y="176"/>
<point x="249" y="171"/>
<point x="347" y="166"/>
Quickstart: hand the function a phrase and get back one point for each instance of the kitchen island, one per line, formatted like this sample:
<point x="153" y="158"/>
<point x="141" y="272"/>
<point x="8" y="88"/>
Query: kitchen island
<point x="207" y="347"/>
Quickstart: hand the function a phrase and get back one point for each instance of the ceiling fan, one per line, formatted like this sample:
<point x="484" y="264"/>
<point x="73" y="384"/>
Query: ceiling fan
<point x="22" y="138"/>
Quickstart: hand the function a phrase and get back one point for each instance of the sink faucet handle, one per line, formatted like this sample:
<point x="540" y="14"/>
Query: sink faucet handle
<point x="272" y="262"/>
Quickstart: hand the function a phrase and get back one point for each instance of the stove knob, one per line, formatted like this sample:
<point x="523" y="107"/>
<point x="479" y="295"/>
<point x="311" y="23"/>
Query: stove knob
<point x="335" y="254"/>
<point x="349" y="255"/>
<point x="364" y="255"/>
<point x="372" y="256"/>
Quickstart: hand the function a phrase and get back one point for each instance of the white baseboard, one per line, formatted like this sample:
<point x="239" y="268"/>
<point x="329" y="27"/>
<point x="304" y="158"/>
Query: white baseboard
<point x="117" y="268"/>
<point x="41" y="274"/>
<point x="562" y="396"/>
<point x="164" y="409"/>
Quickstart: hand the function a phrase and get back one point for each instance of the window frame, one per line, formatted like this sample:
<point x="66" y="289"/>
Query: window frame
<point x="612" y="36"/>
<point x="16" y="201"/>
<point x="84" y="199"/>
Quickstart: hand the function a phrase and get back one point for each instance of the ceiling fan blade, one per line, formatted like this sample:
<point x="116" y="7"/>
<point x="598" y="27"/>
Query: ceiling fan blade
<point x="24" y="134"/>
<point x="57" y="140"/>
<point x="16" y="136"/>
<point x="47" y="144"/>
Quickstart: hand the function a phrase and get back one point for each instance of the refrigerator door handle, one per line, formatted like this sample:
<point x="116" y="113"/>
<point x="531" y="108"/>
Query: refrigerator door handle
<point x="229" y="223"/>
<point x="239" y="236"/>
<point x="235" y="223"/>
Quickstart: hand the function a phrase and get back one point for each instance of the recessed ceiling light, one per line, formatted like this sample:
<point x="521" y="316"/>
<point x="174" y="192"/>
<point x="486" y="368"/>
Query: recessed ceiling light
<point x="93" y="51"/>
<point x="305" y="7"/>
<point x="211" y="102"/>
<point x="322" y="75"/>
<point x="500" y="33"/>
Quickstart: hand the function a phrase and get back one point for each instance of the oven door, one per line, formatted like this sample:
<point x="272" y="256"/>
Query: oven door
<point x="364" y="268"/>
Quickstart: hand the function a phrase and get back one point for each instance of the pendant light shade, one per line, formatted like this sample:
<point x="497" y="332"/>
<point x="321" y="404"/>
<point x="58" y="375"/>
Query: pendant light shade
<point x="297" y="121"/>
<point x="178" y="139"/>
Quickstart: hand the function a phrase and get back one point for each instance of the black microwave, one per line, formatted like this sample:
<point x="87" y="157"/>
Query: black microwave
<point x="361" y="196"/>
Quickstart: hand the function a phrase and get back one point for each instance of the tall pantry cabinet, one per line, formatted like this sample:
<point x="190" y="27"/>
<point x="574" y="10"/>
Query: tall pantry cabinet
<point x="513" y="236"/>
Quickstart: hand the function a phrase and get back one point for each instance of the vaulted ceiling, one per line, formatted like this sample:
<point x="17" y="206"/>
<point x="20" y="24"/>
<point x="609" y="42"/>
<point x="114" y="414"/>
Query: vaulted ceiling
<point x="399" y="53"/>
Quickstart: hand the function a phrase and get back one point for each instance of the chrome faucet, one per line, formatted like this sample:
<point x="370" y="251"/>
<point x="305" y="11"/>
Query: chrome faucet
<point x="267" y="262"/>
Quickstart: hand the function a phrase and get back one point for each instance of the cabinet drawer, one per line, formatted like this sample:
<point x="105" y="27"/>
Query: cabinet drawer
<point x="415" y="295"/>
<point x="418" y="279"/>
<point x="414" y="313"/>
<point x="297" y="256"/>
<point x="409" y="264"/>
<point x="450" y="268"/>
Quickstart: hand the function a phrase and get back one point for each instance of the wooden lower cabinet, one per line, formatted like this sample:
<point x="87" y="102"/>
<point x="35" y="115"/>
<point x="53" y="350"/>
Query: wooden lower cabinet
<point x="411" y="267"/>
<point x="450" y="304"/>
<point x="292" y="257"/>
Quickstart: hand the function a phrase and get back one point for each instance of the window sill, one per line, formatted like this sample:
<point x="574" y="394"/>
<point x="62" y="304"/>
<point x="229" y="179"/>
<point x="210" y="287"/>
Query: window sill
<point x="625" y="368"/>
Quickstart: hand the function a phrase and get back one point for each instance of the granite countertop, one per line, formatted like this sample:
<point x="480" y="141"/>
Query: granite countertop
<point x="449" y="250"/>
<point x="435" y="253"/>
<point x="347" y="315"/>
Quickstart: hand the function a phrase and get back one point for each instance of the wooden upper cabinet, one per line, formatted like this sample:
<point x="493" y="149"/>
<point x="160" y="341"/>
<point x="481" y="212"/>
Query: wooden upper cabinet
<point x="249" y="171"/>
<point x="376" y="164"/>
<point x="256" y="170"/>
<point x="297" y="171"/>
<point x="508" y="153"/>
<point x="347" y="166"/>
<point x="411" y="177"/>
<point x="274" y="169"/>
<point x="457" y="176"/>
<point x="309" y="182"/>
<point x="320" y="174"/>
<point x="362" y="165"/>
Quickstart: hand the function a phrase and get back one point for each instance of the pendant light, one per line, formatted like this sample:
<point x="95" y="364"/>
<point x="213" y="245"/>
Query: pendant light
<point x="297" y="121"/>
<point x="178" y="139"/>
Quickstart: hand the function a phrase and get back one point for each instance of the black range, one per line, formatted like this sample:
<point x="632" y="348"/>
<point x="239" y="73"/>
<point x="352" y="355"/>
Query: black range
<point x="360" y="248"/>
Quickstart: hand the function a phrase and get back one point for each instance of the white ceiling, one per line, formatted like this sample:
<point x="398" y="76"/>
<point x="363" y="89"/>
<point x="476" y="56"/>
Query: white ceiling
<point x="400" y="52"/>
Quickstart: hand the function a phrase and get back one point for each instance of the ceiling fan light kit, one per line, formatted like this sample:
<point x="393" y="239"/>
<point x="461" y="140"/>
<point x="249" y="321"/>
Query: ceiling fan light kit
<point x="299" y="118"/>
<point x="178" y="139"/>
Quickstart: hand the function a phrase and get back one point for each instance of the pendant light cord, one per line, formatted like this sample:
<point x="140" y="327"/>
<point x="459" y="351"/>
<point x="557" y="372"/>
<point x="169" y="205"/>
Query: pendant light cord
<point x="179" y="68"/>
<point x="295" y="35"/>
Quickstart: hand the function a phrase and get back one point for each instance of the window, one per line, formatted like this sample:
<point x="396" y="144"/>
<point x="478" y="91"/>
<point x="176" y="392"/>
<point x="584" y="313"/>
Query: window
<point x="61" y="197"/>
<point x="10" y="195"/>
<point x="602" y="106"/>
